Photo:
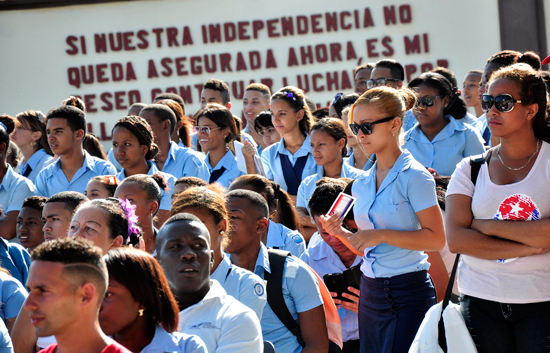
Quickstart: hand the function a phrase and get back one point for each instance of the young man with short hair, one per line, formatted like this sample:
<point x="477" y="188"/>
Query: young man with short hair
<point x="387" y="72"/>
<point x="66" y="128"/>
<point x="249" y="215"/>
<point x="29" y="222"/>
<point x="361" y="75"/>
<point x="67" y="282"/>
<point x="58" y="212"/>
<point x="256" y="99"/>
<point x="222" y="322"/>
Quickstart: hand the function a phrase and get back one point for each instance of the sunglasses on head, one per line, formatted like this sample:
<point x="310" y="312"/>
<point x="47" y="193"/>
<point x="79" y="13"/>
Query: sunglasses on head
<point x="504" y="103"/>
<point x="427" y="101"/>
<point x="367" y="127"/>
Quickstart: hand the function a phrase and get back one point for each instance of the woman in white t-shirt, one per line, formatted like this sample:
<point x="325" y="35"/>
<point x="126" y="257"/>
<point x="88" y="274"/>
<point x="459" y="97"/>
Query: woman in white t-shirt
<point x="504" y="275"/>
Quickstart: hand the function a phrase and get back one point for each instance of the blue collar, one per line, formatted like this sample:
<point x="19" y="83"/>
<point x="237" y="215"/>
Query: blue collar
<point x="7" y="179"/>
<point x="263" y="260"/>
<point x="454" y="125"/>
<point x="33" y="161"/>
<point x="226" y="161"/>
<point x="302" y="151"/>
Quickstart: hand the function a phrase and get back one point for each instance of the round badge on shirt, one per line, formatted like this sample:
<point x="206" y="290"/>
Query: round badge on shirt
<point x="297" y="239"/>
<point x="259" y="289"/>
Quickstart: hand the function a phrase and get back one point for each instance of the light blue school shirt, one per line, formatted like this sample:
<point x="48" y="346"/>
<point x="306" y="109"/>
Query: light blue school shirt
<point x="259" y="148"/>
<point x="184" y="162"/>
<point x="301" y="293"/>
<point x="409" y="121"/>
<point x="455" y="142"/>
<point x="324" y="260"/>
<point x="6" y="345"/>
<point x="13" y="296"/>
<point x="244" y="135"/>
<point x="231" y="172"/>
<point x="241" y="284"/>
<point x="174" y="342"/>
<point x="111" y="158"/>
<point x="37" y="162"/>
<point x="407" y="189"/>
<point x="308" y="185"/>
<point x="52" y="180"/>
<point x="272" y="162"/>
<point x="165" y="196"/>
<point x="14" y="189"/>
<point x="351" y="161"/>
<point x="283" y="238"/>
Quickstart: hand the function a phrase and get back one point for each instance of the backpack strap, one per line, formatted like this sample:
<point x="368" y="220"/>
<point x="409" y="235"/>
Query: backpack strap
<point x="476" y="162"/>
<point x="275" y="297"/>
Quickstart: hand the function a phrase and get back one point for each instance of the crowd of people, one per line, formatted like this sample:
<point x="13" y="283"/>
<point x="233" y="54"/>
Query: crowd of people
<point x="211" y="232"/>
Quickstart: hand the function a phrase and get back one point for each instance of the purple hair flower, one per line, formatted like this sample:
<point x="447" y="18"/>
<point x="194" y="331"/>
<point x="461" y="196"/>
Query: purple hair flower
<point x="130" y="211"/>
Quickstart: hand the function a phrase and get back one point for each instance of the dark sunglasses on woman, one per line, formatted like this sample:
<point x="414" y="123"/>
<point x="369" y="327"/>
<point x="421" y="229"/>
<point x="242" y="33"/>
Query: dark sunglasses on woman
<point x="427" y="101"/>
<point x="367" y="127"/>
<point x="504" y="103"/>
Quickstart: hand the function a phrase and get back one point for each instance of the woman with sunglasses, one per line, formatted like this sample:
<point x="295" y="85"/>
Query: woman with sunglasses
<point x="440" y="140"/>
<point x="30" y="136"/>
<point x="504" y="275"/>
<point x="216" y="131"/>
<point x="290" y="161"/>
<point x="134" y="150"/>
<point x="328" y="146"/>
<point x="357" y="158"/>
<point x="398" y="218"/>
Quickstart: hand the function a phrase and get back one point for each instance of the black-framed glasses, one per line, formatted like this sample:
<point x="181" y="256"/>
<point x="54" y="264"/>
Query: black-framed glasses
<point x="427" y="101"/>
<point x="504" y="103"/>
<point x="367" y="127"/>
<point x="204" y="129"/>
<point x="382" y="81"/>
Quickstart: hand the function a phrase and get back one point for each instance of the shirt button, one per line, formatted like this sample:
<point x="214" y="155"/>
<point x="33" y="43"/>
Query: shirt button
<point x="386" y="282"/>
<point x="424" y="347"/>
<point x="386" y="289"/>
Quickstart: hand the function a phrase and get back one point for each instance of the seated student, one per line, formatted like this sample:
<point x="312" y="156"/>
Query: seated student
<point x="135" y="150"/>
<point x="357" y="157"/>
<point x="439" y="140"/>
<point x="30" y="136"/>
<point x="249" y="222"/>
<point x="263" y="125"/>
<point x="256" y="99"/>
<point x="328" y="147"/>
<point x="209" y="206"/>
<point x="29" y="222"/>
<point x="172" y="159"/>
<point x="183" y="131"/>
<point x="142" y="315"/>
<point x="222" y="322"/>
<point x="216" y="130"/>
<point x="330" y="255"/>
<point x="74" y="275"/>
<point x="290" y="160"/>
<point x="101" y="187"/>
<point x="14" y="188"/>
<point x="66" y="127"/>
<point x="12" y="296"/>
<point x="58" y="212"/>
<point x="144" y="192"/>
<point x="284" y="224"/>
<point x="185" y="183"/>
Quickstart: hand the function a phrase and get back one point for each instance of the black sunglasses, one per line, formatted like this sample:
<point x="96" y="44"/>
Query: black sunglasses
<point x="427" y="101"/>
<point x="504" y="103"/>
<point x="380" y="82"/>
<point x="367" y="127"/>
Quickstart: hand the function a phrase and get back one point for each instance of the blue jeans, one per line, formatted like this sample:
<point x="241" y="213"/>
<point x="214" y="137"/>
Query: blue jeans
<point x="507" y="328"/>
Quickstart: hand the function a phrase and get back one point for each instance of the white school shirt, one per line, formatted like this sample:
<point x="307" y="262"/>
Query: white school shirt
<point x="283" y="238"/>
<point x="164" y="342"/>
<point x="324" y="260"/>
<point x="223" y="323"/>
<point x="242" y="285"/>
<point x="521" y="280"/>
<point x="272" y="162"/>
<point x="308" y="185"/>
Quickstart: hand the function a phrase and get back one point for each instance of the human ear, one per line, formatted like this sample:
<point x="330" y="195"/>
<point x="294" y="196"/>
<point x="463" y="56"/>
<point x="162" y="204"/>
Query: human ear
<point x="117" y="242"/>
<point x="301" y="114"/>
<point x="262" y="225"/>
<point x="340" y="144"/>
<point x="532" y="110"/>
<point x="87" y="293"/>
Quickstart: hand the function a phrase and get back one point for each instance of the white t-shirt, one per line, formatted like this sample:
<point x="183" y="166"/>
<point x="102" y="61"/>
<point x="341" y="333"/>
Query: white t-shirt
<point x="519" y="280"/>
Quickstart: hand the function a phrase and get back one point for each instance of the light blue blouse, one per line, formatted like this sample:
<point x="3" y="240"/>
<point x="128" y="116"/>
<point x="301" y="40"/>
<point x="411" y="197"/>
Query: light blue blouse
<point x="231" y="172"/>
<point x="272" y="162"/>
<point x="351" y="161"/>
<point x="37" y="162"/>
<point x="183" y="162"/>
<point x="407" y="189"/>
<point x="166" y="196"/>
<point x="14" y="189"/>
<point x="283" y="238"/>
<point x="307" y="187"/>
<point x="456" y="141"/>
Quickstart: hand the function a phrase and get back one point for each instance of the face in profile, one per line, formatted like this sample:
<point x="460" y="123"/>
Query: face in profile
<point x="183" y="250"/>
<point x="96" y="190"/>
<point x="119" y="310"/>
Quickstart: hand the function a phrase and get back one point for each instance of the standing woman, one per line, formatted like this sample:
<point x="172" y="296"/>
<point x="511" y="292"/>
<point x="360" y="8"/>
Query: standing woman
<point x="134" y="150"/>
<point x="504" y="275"/>
<point x="357" y="158"/>
<point x="470" y="89"/>
<point x="290" y="161"/>
<point x="329" y="147"/>
<point x="139" y="310"/>
<point x="440" y="140"/>
<point x="398" y="219"/>
<point x="14" y="188"/>
<point x="216" y="131"/>
<point x="30" y="136"/>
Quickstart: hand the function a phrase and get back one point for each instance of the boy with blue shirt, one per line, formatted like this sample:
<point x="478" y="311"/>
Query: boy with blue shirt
<point x="172" y="159"/>
<point x="66" y="128"/>
<point x="249" y="221"/>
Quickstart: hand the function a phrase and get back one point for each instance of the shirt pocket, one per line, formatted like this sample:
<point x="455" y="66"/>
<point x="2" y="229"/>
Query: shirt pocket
<point x="395" y="216"/>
